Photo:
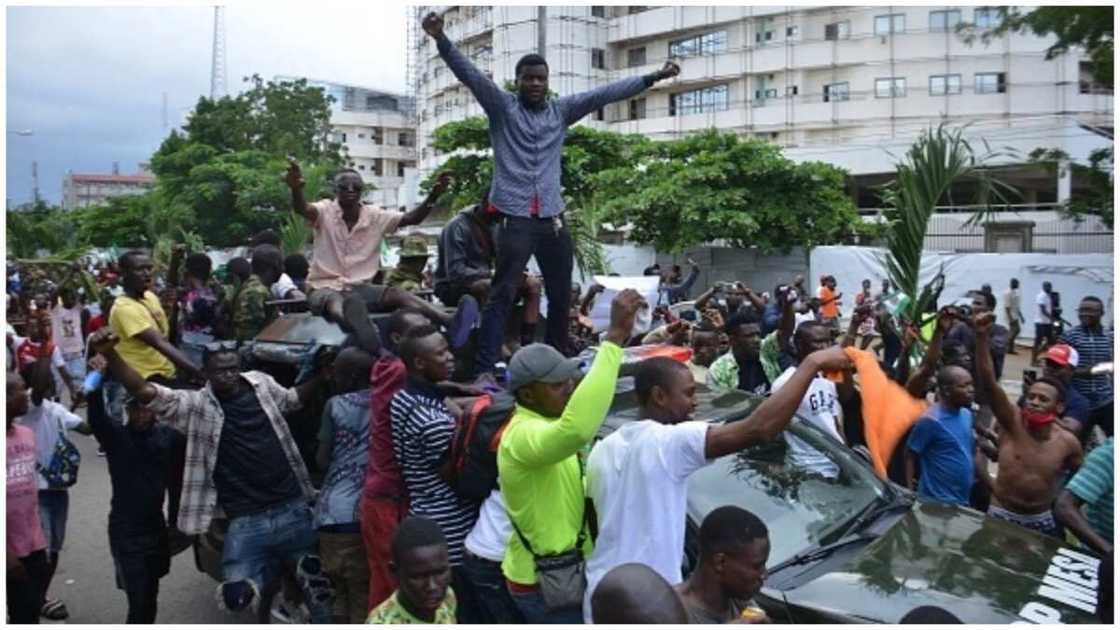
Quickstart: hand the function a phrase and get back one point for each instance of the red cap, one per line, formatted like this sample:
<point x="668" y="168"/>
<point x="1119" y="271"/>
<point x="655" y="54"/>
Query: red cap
<point x="1062" y="354"/>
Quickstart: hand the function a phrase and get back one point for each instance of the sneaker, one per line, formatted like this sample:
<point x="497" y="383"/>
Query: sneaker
<point x="465" y="319"/>
<point x="54" y="610"/>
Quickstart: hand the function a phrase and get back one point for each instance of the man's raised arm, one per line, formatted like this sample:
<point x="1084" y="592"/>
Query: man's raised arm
<point x="579" y="105"/>
<point x="295" y="182"/>
<point x="1005" y="412"/>
<point x="489" y="95"/>
<point x="417" y="215"/>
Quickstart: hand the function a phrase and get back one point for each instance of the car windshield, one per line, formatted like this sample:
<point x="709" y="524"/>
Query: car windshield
<point x="802" y="509"/>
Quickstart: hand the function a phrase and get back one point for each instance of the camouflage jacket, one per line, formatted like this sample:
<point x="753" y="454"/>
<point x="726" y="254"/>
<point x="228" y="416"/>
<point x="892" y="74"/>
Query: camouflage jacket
<point x="405" y="280"/>
<point x="250" y="314"/>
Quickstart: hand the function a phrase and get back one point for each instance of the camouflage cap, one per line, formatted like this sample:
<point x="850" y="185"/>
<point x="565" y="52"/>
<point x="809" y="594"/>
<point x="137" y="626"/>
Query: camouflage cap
<point x="414" y="246"/>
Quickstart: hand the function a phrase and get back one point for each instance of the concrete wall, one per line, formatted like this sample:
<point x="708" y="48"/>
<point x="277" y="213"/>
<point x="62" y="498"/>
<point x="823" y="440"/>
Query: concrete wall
<point x="754" y="269"/>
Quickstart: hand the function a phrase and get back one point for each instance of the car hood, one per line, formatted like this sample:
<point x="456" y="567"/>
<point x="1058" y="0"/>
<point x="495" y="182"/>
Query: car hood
<point x="980" y="569"/>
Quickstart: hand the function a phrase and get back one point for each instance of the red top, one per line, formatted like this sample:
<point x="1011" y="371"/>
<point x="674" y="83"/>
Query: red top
<point x="383" y="476"/>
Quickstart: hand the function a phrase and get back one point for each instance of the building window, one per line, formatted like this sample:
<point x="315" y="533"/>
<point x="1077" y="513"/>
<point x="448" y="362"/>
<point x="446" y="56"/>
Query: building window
<point x="636" y="57"/>
<point x="890" y="88"/>
<point x="990" y="83"/>
<point x="376" y="136"/>
<point x="891" y="23"/>
<point x="400" y="169"/>
<point x="838" y="30"/>
<point x="702" y="101"/>
<point x="405" y="140"/>
<point x="376" y="168"/>
<point x="637" y="108"/>
<point x="944" y="20"/>
<point x="635" y="10"/>
<point x="987" y="17"/>
<point x="344" y="137"/>
<point x="942" y="84"/>
<point x="706" y="44"/>
<point x="791" y="90"/>
<point x="598" y="58"/>
<point x="361" y="136"/>
<point x="600" y="114"/>
<point x="792" y="32"/>
<point x="762" y="94"/>
<point x="836" y="92"/>
<point x="598" y="12"/>
<point x="361" y="167"/>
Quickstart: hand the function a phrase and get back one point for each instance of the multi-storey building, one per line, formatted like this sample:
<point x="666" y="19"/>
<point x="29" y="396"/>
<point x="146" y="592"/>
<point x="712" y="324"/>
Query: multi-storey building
<point x="852" y="86"/>
<point x="82" y="190"/>
<point x="377" y="131"/>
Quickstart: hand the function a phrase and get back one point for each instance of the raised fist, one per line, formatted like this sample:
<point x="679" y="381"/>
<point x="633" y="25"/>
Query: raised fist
<point x="432" y="24"/>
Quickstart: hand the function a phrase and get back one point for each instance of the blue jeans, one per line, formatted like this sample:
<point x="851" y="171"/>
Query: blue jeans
<point x="113" y="392"/>
<point x="532" y="608"/>
<point x="258" y="546"/>
<point x="519" y="239"/>
<point x="489" y="585"/>
<point x="54" y="508"/>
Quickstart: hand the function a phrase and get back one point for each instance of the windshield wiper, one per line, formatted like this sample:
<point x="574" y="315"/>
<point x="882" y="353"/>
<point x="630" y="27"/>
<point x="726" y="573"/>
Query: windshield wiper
<point x="823" y="552"/>
<point x="877" y="510"/>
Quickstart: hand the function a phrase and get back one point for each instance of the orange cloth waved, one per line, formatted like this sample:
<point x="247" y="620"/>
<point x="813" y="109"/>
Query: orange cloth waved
<point x="888" y="409"/>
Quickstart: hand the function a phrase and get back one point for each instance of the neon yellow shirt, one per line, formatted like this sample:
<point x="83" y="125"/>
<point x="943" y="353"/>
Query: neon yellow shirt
<point x="539" y="470"/>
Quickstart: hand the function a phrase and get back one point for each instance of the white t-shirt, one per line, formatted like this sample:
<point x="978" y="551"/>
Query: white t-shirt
<point x="66" y="329"/>
<point x="821" y="407"/>
<point x="1042" y="299"/>
<point x="47" y="420"/>
<point x="490" y="535"/>
<point x="637" y="479"/>
<point x="281" y="287"/>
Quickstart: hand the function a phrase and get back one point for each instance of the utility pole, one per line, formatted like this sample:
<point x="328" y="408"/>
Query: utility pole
<point x="35" y="182"/>
<point x="218" y="56"/>
<point x="163" y="114"/>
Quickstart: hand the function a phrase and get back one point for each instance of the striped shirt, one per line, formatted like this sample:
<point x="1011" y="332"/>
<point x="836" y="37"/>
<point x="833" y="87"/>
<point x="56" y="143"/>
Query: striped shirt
<point x="1093" y="347"/>
<point x="422" y="431"/>
<point x="1093" y="484"/>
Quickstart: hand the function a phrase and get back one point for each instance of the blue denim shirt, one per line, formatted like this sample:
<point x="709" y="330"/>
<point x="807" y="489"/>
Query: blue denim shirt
<point x="527" y="142"/>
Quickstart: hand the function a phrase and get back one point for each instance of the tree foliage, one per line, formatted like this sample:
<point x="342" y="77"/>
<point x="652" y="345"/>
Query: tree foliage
<point x="41" y="227"/>
<point x="714" y="186"/>
<point x="938" y="159"/>
<point x="1099" y="192"/>
<point x="1088" y="27"/>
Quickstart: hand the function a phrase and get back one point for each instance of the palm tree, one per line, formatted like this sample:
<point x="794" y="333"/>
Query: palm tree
<point x="938" y="159"/>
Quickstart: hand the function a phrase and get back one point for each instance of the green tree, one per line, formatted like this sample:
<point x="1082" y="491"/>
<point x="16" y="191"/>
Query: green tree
<point x="938" y="159"/>
<point x="1088" y="27"/>
<point x="222" y="174"/>
<point x="714" y="186"/>
<point x="1099" y="192"/>
<point x="42" y="227"/>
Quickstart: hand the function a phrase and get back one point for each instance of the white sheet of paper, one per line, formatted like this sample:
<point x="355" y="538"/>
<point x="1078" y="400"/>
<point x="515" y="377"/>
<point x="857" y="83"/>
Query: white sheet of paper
<point x="645" y="285"/>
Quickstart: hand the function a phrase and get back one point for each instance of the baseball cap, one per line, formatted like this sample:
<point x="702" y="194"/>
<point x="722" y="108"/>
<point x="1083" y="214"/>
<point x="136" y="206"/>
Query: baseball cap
<point x="1062" y="354"/>
<point x="540" y="363"/>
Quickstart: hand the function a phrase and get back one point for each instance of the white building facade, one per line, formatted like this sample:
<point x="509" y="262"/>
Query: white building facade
<point x="82" y="190"/>
<point x="377" y="131"/>
<point x="852" y="86"/>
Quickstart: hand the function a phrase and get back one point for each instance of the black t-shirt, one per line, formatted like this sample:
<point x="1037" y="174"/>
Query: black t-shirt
<point x="252" y="473"/>
<point x="752" y="378"/>
<point x="138" y="466"/>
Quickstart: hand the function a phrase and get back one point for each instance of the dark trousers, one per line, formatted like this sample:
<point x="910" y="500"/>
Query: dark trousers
<point x="178" y="462"/>
<point x="138" y="575"/>
<point x="494" y="601"/>
<point x="467" y="610"/>
<point x="520" y="238"/>
<point x="26" y="596"/>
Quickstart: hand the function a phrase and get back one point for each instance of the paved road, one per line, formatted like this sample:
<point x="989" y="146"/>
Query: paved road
<point x="85" y="579"/>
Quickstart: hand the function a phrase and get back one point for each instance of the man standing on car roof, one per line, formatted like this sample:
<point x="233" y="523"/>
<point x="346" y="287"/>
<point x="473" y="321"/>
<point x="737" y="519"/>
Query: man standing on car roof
<point x="1033" y="456"/>
<point x="527" y="132"/>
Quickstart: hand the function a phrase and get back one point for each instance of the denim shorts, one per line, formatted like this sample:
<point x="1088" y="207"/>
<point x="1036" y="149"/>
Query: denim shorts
<point x="54" y="507"/>
<point x="257" y="545"/>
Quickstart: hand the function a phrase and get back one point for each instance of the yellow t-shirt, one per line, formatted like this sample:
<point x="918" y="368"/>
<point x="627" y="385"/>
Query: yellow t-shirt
<point x="131" y="317"/>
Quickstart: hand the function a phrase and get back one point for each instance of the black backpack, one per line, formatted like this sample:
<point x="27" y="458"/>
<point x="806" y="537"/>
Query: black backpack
<point x="471" y="462"/>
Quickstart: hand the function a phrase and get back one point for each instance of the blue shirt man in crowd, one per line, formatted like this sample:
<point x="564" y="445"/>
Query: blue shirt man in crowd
<point x="941" y="443"/>
<point x="527" y="131"/>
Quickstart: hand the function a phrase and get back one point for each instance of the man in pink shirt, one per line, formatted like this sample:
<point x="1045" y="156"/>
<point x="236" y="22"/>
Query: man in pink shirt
<point x="27" y="545"/>
<point x="346" y="256"/>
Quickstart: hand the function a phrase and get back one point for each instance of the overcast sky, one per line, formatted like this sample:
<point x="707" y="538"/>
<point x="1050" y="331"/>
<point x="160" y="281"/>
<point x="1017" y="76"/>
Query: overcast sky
<point x="89" y="80"/>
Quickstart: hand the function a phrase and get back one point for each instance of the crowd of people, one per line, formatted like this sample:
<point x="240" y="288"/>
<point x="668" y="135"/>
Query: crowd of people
<point x="456" y="474"/>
